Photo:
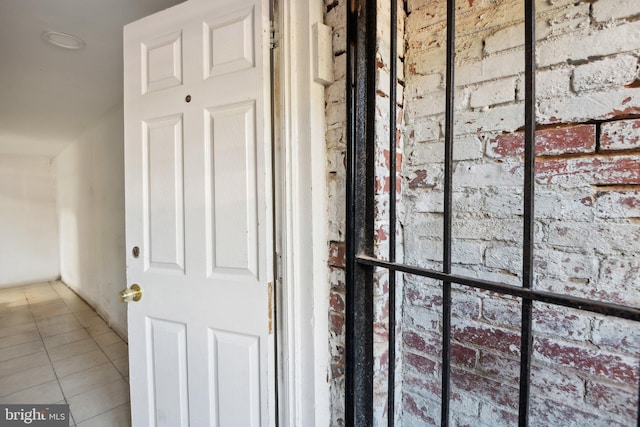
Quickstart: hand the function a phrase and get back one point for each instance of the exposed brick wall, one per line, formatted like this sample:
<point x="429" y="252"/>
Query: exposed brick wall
<point x="335" y="95"/>
<point x="587" y="236"/>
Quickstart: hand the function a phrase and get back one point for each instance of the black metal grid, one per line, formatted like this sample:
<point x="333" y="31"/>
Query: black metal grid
<point x="360" y="262"/>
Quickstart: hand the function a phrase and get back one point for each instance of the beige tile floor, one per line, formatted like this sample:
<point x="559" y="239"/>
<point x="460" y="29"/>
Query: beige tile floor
<point x="55" y="349"/>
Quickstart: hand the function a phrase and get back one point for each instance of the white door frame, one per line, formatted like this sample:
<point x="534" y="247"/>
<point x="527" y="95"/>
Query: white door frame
<point x="303" y="324"/>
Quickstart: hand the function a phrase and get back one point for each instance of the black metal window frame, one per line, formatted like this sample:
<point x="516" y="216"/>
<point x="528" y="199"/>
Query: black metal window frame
<point x="360" y="261"/>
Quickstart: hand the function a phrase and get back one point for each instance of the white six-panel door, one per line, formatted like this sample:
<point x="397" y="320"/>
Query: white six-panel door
<point x="199" y="208"/>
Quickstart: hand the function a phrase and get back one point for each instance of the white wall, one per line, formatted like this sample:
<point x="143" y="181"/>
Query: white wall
<point x="90" y="199"/>
<point x="28" y="227"/>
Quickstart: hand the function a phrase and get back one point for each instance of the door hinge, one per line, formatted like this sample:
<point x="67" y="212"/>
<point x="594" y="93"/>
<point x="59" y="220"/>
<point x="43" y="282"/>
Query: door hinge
<point x="270" y="306"/>
<point x="273" y="42"/>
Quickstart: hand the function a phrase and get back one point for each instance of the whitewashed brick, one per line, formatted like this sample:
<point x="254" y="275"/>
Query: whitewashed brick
<point x="582" y="45"/>
<point x="423" y="130"/>
<point x="564" y="265"/>
<point x="504" y="257"/>
<point x="502" y="202"/>
<point x="617" y="333"/>
<point x="489" y="229"/>
<point x="589" y="106"/>
<point x="549" y="84"/>
<point x="339" y="67"/>
<point x="463" y="202"/>
<point x="465" y="148"/>
<point x="335" y="92"/>
<point x="492" y="415"/>
<point x="618" y="204"/>
<point x="421" y="85"/>
<point x="336" y="114"/>
<point x="608" y="72"/>
<point x="430" y="105"/>
<point x="335" y="16"/>
<point x="565" y="204"/>
<point x="481" y="175"/>
<point x="495" y="92"/>
<point x="622" y="272"/>
<point x="505" y="118"/>
<point x="568" y="19"/>
<point x="605" y="10"/>
<point x="339" y="40"/>
<point x="620" y="135"/>
<point x="424" y="176"/>
<point x="427" y="61"/>
<point x="491" y="67"/>
<point x="488" y="274"/>
<point x="605" y="238"/>
<point x="506" y="38"/>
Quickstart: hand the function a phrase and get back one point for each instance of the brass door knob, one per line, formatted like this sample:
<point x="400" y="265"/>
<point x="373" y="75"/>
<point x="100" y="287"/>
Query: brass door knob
<point x="133" y="293"/>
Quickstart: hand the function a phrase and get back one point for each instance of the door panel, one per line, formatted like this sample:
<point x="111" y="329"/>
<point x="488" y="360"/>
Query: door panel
<point x="229" y="43"/>
<point x="163" y="189"/>
<point x="162" y="62"/>
<point x="233" y="215"/>
<point x="199" y="206"/>
<point x="167" y="361"/>
<point x="236" y="366"/>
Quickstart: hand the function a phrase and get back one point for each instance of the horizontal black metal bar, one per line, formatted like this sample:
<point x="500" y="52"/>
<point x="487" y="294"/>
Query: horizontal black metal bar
<point x="609" y="309"/>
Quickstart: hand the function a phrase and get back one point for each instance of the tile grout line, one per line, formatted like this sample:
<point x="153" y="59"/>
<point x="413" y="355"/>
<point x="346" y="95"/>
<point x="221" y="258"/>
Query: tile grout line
<point x="66" y="398"/>
<point x="46" y="350"/>
<point x="93" y="337"/>
<point x="102" y="350"/>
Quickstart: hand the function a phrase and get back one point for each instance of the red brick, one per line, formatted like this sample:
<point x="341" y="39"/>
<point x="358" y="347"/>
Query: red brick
<point x="620" y="135"/>
<point x="421" y="411"/>
<point x="423" y="297"/>
<point x="421" y="364"/>
<point x="488" y="336"/>
<point x="429" y="386"/>
<point x="596" y="170"/>
<point x="337" y="252"/>
<point x="432" y="345"/>
<point x="336" y="302"/>
<point x="592" y="361"/>
<point x="555" y="141"/>
<point x="383" y="184"/>
<point x="463" y="356"/>
<point x="416" y="341"/>
<point x="421" y="180"/>
<point x="336" y="321"/>
<point x="500" y="392"/>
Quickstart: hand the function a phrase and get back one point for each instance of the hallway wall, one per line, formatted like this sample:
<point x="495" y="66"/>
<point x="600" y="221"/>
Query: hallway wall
<point x="28" y="228"/>
<point x="90" y="197"/>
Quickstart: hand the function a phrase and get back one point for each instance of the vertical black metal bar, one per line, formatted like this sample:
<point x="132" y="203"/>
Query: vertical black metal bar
<point x="361" y="45"/>
<point x="526" y="344"/>
<point x="448" y="197"/>
<point x="393" y="75"/>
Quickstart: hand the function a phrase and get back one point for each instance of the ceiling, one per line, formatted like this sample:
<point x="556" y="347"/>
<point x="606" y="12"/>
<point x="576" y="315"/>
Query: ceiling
<point x="50" y="95"/>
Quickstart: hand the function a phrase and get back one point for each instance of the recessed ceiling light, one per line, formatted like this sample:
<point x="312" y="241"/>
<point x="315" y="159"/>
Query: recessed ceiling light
<point x="66" y="41"/>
